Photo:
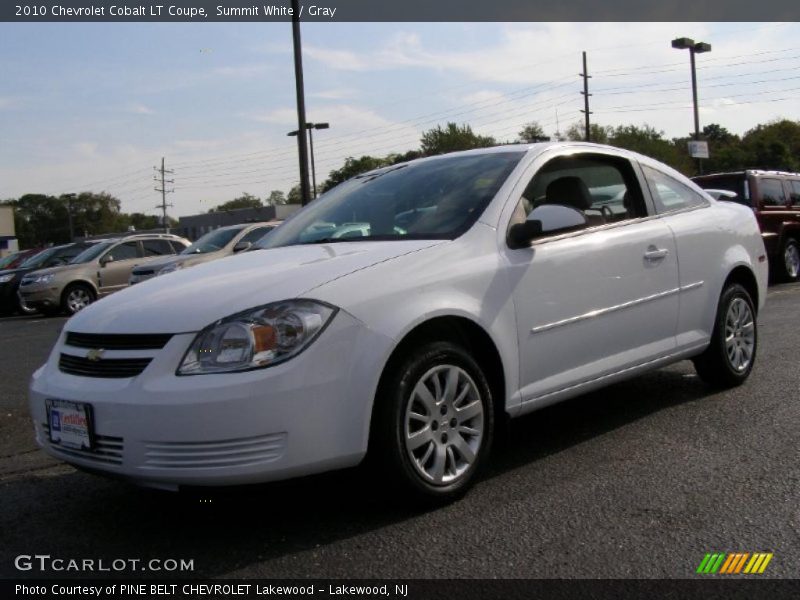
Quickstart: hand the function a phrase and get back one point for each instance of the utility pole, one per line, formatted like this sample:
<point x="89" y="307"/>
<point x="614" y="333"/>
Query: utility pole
<point x="587" y="135"/>
<point x="302" y="146"/>
<point x="164" y="191"/>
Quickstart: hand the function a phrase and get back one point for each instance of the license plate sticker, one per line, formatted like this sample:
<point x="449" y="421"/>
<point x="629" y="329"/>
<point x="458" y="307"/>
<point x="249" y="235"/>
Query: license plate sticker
<point x="70" y="424"/>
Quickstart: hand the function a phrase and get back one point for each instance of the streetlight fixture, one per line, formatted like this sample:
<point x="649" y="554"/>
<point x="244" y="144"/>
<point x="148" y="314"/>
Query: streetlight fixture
<point x="310" y="127"/>
<point x="693" y="48"/>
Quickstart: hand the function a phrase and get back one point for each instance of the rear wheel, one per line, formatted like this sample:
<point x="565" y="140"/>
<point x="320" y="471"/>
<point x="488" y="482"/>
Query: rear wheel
<point x="729" y="358"/>
<point x="434" y="422"/>
<point x="77" y="297"/>
<point x="791" y="260"/>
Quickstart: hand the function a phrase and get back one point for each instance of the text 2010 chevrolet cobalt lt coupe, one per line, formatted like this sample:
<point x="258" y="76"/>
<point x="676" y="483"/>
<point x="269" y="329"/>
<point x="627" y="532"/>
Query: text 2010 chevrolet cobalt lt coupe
<point x="478" y="286"/>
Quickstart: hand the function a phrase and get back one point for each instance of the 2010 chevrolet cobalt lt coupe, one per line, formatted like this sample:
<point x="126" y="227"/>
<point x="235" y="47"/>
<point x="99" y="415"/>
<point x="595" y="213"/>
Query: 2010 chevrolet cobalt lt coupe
<point x="467" y="288"/>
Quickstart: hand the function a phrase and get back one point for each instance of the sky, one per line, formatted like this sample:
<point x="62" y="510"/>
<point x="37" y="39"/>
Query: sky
<point x="94" y="106"/>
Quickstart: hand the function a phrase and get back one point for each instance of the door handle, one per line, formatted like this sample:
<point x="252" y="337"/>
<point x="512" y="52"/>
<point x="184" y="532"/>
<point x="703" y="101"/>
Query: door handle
<point x="655" y="254"/>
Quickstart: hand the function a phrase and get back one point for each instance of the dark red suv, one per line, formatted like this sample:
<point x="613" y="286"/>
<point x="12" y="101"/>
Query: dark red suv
<point x="774" y="196"/>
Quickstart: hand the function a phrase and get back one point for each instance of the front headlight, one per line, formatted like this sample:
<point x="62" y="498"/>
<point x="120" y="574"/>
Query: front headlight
<point x="6" y="278"/>
<point x="170" y="268"/>
<point x="29" y="279"/>
<point x="256" y="338"/>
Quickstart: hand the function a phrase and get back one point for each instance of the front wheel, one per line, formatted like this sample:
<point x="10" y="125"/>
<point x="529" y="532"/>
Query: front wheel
<point x="791" y="260"/>
<point x="77" y="297"/>
<point x="729" y="358"/>
<point x="434" y="422"/>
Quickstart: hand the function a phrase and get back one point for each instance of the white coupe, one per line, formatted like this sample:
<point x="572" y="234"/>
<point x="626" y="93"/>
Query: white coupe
<point x="403" y="315"/>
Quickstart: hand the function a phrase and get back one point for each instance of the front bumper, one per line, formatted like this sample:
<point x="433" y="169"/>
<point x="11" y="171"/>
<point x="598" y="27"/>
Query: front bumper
<point x="41" y="296"/>
<point x="308" y="415"/>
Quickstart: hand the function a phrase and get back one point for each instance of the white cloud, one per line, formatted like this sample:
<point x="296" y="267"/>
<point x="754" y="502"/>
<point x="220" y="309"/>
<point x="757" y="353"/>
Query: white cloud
<point x="141" y="109"/>
<point x="333" y="94"/>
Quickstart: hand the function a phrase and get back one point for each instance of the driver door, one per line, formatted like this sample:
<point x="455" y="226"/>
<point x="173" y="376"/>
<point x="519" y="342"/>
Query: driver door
<point x="597" y="301"/>
<point x="116" y="266"/>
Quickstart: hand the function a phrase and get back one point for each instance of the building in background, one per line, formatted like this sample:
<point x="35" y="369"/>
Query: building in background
<point x="8" y="235"/>
<point x="195" y="226"/>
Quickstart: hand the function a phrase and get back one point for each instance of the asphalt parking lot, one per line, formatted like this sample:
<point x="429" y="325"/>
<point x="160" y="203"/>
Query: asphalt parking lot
<point x="638" y="480"/>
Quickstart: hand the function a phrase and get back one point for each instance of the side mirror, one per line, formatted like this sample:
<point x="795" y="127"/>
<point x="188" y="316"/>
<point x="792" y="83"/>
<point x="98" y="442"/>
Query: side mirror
<point x="239" y="246"/>
<point x="106" y="259"/>
<point x="547" y="218"/>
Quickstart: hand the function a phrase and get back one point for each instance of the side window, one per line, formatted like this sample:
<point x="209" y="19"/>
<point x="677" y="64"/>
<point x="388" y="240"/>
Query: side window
<point x="603" y="188"/>
<point x="125" y="251"/>
<point x="177" y="247"/>
<point x="254" y="235"/>
<point x="772" y="192"/>
<point x="794" y="194"/>
<point x="670" y="194"/>
<point x="157" y="248"/>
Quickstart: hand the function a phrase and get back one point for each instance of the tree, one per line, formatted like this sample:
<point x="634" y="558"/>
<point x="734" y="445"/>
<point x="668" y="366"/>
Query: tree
<point x="244" y="201"/>
<point x="774" y="145"/>
<point x="275" y="198"/>
<point x="451" y="138"/>
<point x="294" y="196"/>
<point x="352" y="167"/>
<point x="599" y="134"/>
<point x="532" y="132"/>
<point x="649" y="141"/>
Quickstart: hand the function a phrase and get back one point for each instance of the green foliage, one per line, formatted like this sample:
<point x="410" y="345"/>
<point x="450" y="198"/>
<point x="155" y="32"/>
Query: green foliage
<point x="775" y="145"/>
<point x="275" y="198"/>
<point x="532" y="132"/>
<point x="649" y="141"/>
<point x="451" y="138"/>
<point x="244" y="201"/>
<point x="351" y="168"/>
<point x="599" y="133"/>
<point x="294" y="196"/>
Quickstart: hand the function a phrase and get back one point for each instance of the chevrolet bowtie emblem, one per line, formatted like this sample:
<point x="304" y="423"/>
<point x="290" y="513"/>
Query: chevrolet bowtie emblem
<point x="95" y="354"/>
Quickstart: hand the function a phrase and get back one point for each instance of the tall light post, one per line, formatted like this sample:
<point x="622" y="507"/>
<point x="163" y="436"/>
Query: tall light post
<point x="302" y="150"/>
<point x="693" y="48"/>
<point x="310" y="127"/>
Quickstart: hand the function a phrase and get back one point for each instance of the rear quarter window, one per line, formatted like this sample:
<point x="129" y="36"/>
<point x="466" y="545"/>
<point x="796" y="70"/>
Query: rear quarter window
<point x="772" y="192"/>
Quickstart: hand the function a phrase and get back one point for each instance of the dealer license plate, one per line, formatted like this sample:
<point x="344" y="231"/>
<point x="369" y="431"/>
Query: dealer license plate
<point x="70" y="423"/>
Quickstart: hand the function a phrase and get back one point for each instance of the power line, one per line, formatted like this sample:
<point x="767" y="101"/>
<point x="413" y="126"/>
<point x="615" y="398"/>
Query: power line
<point x="164" y="191"/>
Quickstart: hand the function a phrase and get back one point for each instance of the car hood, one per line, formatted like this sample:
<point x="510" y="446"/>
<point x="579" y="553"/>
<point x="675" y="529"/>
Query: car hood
<point x="59" y="269"/>
<point x="188" y="300"/>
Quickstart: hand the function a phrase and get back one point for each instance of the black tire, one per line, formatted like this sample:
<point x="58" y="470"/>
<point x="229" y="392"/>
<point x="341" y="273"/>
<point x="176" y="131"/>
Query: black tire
<point x="395" y="463"/>
<point x="23" y="310"/>
<point x="788" y="262"/>
<point x="715" y="365"/>
<point x="70" y="307"/>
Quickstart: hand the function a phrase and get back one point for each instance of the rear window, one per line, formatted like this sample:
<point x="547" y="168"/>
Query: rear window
<point x="731" y="183"/>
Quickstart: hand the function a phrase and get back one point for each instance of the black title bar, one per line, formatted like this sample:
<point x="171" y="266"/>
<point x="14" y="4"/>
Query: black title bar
<point x="398" y="11"/>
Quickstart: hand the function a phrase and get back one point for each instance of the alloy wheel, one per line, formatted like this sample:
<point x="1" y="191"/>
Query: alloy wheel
<point x="791" y="259"/>
<point x="444" y="424"/>
<point x="739" y="334"/>
<point x="78" y="299"/>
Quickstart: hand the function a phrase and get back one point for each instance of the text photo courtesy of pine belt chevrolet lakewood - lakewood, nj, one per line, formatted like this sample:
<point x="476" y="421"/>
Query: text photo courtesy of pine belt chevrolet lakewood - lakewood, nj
<point x="399" y="300"/>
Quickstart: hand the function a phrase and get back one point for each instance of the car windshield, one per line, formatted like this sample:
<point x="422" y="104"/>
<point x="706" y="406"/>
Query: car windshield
<point x="91" y="253"/>
<point x="433" y="199"/>
<point x="39" y="258"/>
<point x="213" y="241"/>
<point x="8" y="260"/>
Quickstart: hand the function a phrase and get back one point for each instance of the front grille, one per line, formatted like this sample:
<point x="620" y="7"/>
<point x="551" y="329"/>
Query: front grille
<point x="105" y="367"/>
<point x="108" y="449"/>
<point x="225" y="453"/>
<point x="116" y="341"/>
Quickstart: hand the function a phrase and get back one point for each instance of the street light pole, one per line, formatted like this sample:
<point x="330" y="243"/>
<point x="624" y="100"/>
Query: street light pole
<point x="310" y="127"/>
<point x="302" y="149"/>
<point x="694" y="48"/>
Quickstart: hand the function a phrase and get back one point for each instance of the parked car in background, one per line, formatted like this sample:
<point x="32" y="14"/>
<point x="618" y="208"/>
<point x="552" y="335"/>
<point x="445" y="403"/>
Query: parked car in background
<point x="101" y="269"/>
<point x="537" y="273"/>
<point x="722" y="194"/>
<point x="214" y="245"/>
<point x="50" y="257"/>
<point x="774" y="196"/>
<point x="15" y="259"/>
